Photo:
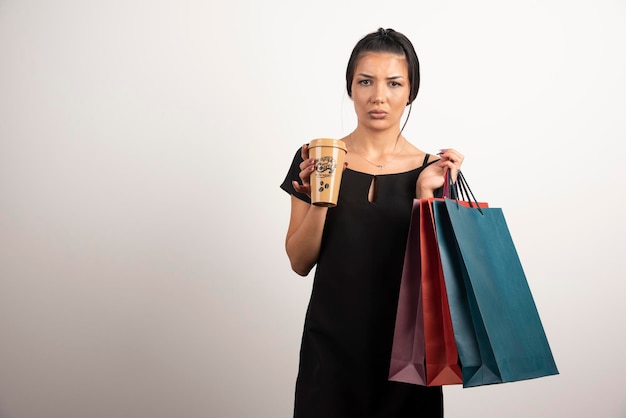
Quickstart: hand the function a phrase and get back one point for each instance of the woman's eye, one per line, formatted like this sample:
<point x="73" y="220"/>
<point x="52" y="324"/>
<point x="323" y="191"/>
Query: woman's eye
<point x="365" y="82"/>
<point x="395" y="84"/>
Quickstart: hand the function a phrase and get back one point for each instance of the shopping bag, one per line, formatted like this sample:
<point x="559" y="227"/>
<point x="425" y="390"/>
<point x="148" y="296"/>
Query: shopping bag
<point x="509" y="337"/>
<point x="477" y="360"/>
<point x="441" y="355"/>
<point x="407" y="353"/>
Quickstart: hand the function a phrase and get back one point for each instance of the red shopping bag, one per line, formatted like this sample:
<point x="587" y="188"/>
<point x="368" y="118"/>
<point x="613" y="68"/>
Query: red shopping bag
<point x="441" y="355"/>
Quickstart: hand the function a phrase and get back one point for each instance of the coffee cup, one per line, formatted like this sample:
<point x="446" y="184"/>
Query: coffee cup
<point x="329" y="156"/>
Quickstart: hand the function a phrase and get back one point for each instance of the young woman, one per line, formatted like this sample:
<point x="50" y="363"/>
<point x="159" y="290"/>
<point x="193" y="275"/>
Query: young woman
<point x="358" y="246"/>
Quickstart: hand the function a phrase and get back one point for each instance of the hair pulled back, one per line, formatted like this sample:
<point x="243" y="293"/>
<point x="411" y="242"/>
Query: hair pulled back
<point x="386" y="41"/>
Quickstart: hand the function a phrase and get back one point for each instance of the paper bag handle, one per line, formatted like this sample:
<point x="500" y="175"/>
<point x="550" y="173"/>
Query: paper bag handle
<point x="454" y="189"/>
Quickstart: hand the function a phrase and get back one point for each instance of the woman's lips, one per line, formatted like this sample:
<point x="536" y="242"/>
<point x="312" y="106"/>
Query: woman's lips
<point x="377" y="114"/>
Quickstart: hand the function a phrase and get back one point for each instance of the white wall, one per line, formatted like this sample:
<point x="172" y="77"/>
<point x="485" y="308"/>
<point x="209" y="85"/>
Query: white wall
<point x="142" y="269"/>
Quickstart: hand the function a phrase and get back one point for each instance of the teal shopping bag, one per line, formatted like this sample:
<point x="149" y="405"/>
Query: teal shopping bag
<point x="497" y="285"/>
<point x="498" y="330"/>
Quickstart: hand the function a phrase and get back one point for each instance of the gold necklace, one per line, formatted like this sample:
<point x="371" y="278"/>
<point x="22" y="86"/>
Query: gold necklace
<point x="380" y="166"/>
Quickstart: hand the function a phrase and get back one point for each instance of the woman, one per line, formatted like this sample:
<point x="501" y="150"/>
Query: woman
<point x="358" y="246"/>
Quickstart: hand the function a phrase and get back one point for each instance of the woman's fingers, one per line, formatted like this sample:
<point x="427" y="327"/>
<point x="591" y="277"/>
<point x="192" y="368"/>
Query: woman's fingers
<point x="304" y="152"/>
<point x="305" y="187"/>
<point x="451" y="155"/>
<point x="306" y="168"/>
<point x="451" y="160"/>
<point x="302" y="188"/>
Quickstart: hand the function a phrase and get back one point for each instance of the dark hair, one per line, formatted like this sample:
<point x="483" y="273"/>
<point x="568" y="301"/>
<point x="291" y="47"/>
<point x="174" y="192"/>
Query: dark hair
<point x="386" y="40"/>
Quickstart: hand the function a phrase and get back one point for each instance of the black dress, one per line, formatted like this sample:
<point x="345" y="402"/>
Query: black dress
<point x="348" y="330"/>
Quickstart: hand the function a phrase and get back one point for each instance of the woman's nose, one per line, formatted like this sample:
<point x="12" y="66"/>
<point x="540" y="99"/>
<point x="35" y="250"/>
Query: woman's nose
<point x="379" y="96"/>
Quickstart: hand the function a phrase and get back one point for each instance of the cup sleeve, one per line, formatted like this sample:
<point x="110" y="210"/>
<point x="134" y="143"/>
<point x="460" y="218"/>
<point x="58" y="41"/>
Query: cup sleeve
<point x="294" y="175"/>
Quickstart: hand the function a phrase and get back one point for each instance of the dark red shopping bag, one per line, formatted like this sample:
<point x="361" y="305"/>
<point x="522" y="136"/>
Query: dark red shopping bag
<point x="407" y="355"/>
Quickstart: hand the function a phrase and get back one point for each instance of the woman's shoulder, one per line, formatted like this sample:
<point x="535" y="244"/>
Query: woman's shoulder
<point x="418" y="157"/>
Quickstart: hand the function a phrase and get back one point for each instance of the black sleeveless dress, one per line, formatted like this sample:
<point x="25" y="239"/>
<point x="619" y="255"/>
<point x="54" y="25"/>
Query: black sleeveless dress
<point x="349" y="325"/>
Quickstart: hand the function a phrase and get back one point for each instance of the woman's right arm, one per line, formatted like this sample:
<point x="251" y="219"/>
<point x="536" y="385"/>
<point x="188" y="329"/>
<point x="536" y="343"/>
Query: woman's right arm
<point x="306" y="223"/>
<point x="304" y="235"/>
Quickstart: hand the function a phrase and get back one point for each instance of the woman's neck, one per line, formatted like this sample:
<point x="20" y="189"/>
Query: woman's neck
<point x="375" y="143"/>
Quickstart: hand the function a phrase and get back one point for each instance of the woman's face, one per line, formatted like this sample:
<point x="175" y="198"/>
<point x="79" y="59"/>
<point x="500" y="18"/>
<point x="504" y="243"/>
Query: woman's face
<point x="380" y="90"/>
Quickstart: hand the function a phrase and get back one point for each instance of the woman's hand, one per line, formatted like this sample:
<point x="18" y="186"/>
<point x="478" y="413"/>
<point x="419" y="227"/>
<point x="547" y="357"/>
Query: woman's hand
<point x="432" y="177"/>
<point x="307" y="166"/>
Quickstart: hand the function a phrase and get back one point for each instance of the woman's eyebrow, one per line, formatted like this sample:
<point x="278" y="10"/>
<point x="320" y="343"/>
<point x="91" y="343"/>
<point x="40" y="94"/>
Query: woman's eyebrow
<point x="393" y="77"/>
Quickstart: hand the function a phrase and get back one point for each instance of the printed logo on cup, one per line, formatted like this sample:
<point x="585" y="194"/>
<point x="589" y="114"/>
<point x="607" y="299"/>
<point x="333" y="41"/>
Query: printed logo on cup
<point x="325" y="166"/>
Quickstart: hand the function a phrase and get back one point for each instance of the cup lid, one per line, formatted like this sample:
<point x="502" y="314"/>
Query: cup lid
<point x="328" y="142"/>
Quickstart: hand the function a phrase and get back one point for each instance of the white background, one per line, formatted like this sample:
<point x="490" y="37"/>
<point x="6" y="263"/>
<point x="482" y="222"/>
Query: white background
<point x="142" y="143"/>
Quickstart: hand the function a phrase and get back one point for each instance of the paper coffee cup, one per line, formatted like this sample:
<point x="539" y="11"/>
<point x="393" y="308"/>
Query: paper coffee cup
<point x="329" y="155"/>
